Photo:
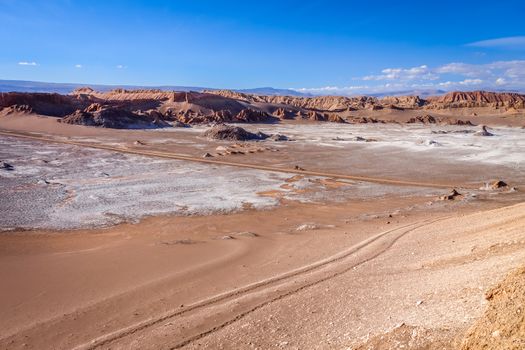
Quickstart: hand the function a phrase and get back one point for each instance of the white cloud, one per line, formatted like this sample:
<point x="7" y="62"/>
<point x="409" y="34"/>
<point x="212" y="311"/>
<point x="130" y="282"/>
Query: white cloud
<point x="120" y="66"/>
<point x="471" y="82"/>
<point x="456" y="84"/>
<point x="512" y="69"/>
<point x="25" y="63"/>
<point x="501" y="81"/>
<point x="511" y="42"/>
<point x="499" y="75"/>
<point x="78" y="66"/>
<point x="420" y="73"/>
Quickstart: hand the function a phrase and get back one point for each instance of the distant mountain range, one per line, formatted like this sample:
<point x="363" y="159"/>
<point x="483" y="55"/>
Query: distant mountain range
<point x="65" y="88"/>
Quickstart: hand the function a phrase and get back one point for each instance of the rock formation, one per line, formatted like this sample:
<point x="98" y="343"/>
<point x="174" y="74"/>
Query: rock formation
<point x="112" y="117"/>
<point x="459" y="99"/>
<point x="424" y="119"/>
<point x="231" y="133"/>
<point x="224" y="106"/>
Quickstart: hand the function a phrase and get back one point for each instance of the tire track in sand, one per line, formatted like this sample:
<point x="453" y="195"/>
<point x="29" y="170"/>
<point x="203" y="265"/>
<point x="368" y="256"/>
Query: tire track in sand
<point x="266" y="284"/>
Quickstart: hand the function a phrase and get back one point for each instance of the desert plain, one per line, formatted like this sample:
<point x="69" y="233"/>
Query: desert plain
<point x="220" y="220"/>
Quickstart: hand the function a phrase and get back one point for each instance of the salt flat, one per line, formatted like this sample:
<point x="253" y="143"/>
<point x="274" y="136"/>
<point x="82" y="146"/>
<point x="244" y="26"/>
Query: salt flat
<point x="66" y="187"/>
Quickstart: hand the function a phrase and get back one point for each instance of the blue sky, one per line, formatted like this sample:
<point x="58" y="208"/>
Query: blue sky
<point x="336" y="47"/>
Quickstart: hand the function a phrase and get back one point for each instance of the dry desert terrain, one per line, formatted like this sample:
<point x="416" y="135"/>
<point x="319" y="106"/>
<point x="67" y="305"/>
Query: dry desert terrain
<point x="219" y="220"/>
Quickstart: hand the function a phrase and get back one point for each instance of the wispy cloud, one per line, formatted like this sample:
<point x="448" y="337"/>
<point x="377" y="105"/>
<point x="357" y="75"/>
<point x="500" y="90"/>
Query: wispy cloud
<point x="121" y="66"/>
<point x="25" y="63"/>
<point x="78" y="66"/>
<point x="511" y="42"/>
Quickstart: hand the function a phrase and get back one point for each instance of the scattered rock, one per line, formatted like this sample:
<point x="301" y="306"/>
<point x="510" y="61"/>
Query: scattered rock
<point x="483" y="132"/>
<point x="362" y="139"/>
<point x="465" y="131"/>
<point x="6" y="166"/>
<point x="458" y="122"/>
<point x="366" y="120"/>
<point x="451" y="196"/>
<point x="297" y="167"/>
<point x="179" y="124"/>
<point x="498" y="184"/>
<point x="425" y="119"/>
<point x="179" y="241"/>
<point x="279" y="137"/>
<point x="430" y="143"/>
<point x="337" y="138"/>
<point x="307" y="227"/>
<point x="139" y="143"/>
<point x="226" y="237"/>
<point x="335" y="118"/>
<point x="207" y="155"/>
<point x="246" y="234"/>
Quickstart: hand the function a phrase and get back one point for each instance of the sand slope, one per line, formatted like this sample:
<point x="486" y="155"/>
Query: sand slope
<point x="335" y="289"/>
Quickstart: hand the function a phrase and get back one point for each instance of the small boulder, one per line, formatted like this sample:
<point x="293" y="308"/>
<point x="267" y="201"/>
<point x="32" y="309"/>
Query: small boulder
<point x="231" y="133"/>
<point x="6" y="166"/>
<point x="498" y="184"/>
<point x="451" y="196"/>
<point x="483" y="132"/>
<point x="278" y="137"/>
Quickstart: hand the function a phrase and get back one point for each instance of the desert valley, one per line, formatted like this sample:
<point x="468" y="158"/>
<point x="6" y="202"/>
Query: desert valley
<point x="277" y="175"/>
<point x="216" y="219"/>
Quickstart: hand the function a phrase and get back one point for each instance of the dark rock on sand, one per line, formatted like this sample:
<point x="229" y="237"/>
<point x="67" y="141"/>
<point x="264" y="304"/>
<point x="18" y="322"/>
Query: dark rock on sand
<point x="279" y="137"/>
<point x="232" y="133"/>
<point x="451" y="196"/>
<point x="498" y="184"/>
<point x="483" y="132"/>
<point x="6" y="166"/>
<point x="424" y="119"/>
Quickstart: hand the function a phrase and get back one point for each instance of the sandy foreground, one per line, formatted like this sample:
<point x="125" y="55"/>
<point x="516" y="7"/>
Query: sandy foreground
<point x="265" y="259"/>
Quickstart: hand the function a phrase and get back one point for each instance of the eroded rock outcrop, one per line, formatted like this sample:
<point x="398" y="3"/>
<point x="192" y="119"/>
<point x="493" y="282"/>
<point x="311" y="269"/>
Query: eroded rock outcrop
<point x="461" y="99"/>
<point x="424" y="119"/>
<point x="232" y="133"/>
<point x="112" y="117"/>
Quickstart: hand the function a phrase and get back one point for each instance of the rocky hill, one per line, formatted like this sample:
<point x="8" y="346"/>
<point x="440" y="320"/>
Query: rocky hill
<point x="121" y="108"/>
<point x="460" y="99"/>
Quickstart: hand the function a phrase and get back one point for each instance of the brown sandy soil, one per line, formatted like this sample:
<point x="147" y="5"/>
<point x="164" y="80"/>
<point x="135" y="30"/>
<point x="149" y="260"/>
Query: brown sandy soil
<point x="81" y="276"/>
<point x="430" y="276"/>
<point x="365" y="274"/>
<point x="171" y="282"/>
<point x="502" y="326"/>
